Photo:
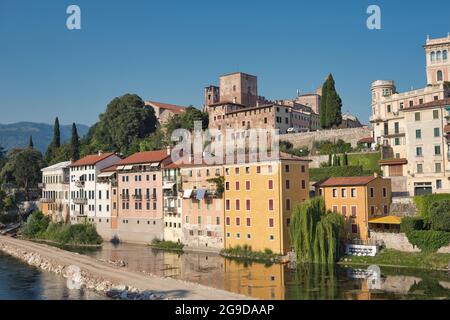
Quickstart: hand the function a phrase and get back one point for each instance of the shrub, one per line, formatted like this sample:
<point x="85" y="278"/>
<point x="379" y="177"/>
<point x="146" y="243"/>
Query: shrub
<point x="439" y="215"/>
<point x="317" y="174"/>
<point x="37" y="223"/>
<point x="166" y="245"/>
<point x="428" y="241"/>
<point x="411" y="224"/>
<point x="423" y="203"/>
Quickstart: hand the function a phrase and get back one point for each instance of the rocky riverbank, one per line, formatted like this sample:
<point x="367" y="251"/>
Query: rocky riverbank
<point x="109" y="279"/>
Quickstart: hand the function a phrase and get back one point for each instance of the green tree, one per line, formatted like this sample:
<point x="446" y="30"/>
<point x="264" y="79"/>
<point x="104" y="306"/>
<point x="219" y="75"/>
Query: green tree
<point x="56" y="142"/>
<point x="125" y="120"/>
<point x="27" y="167"/>
<point x="74" y="144"/>
<point x="30" y="142"/>
<point x="330" y="105"/>
<point x="186" y="120"/>
<point x="156" y="141"/>
<point x="440" y="215"/>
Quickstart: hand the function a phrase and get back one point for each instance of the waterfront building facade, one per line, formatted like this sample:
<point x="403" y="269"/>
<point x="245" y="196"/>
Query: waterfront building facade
<point x="55" y="191"/>
<point x="259" y="199"/>
<point x="84" y="187"/>
<point x="140" y="192"/>
<point x="172" y="199"/>
<point x="358" y="199"/>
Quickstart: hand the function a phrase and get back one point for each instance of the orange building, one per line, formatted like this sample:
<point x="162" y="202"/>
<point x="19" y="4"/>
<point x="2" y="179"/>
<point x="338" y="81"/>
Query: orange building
<point x="358" y="199"/>
<point x="259" y="200"/>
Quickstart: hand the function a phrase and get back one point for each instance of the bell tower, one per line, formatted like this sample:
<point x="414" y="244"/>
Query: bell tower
<point x="437" y="60"/>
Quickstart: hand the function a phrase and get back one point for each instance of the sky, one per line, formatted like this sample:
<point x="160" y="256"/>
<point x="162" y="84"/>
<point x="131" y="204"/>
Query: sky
<point x="168" y="51"/>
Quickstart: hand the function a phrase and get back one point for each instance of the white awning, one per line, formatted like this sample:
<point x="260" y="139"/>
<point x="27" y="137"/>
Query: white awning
<point x="120" y="167"/>
<point x="168" y="185"/>
<point x="127" y="167"/>
<point x="155" y="164"/>
<point x="105" y="174"/>
<point x="187" y="193"/>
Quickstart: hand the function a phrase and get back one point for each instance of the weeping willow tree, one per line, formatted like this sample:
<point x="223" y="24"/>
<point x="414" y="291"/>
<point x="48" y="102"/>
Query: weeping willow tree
<point x="316" y="233"/>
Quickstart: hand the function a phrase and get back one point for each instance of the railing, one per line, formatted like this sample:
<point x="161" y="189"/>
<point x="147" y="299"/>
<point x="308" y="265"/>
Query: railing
<point x="78" y="213"/>
<point x="125" y="196"/>
<point x="170" y="194"/>
<point x="47" y="200"/>
<point x="393" y="132"/>
<point x="80" y="201"/>
<point x="170" y="209"/>
<point x="169" y="179"/>
<point x="79" y="184"/>
<point x="137" y="196"/>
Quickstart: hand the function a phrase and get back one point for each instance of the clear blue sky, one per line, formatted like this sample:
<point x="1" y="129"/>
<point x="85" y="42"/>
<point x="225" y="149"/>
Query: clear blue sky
<point x="169" y="51"/>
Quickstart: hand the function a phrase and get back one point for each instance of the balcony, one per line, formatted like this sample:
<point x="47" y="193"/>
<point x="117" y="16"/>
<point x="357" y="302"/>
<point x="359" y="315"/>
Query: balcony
<point x="47" y="200"/>
<point x="79" y="214"/>
<point x="137" y="196"/>
<point x="170" y="194"/>
<point x="170" y="209"/>
<point x="400" y="132"/>
<point x="150" y="196"/>
<point x="81" y="201"/>
<point x="125" y="196"/>
<point x="79" y="184"/>
<point x="169" y="179"/>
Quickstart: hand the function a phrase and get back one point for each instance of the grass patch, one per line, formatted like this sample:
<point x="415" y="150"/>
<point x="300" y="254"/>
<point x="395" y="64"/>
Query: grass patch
<point x="166" y="245"/>
<point x="369" y="161"/>
<point x="394" y="258"/>
<point x="246" y="253"/>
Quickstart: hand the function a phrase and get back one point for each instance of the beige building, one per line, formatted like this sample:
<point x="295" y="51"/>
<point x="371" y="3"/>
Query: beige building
<point x="389" y="109"/>
<point x="164" y="111"/>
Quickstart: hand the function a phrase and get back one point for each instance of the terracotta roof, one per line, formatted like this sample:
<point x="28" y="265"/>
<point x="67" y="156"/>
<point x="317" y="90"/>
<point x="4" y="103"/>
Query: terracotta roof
<point x="345" y="181"/>
<point x="171" y="107"/>
<point x="366" y="140"/>
<point x="145" y="157"/>
<point x="91" y="159"/>
<point x="432" y="104"/>
<point x="394" y="161"/>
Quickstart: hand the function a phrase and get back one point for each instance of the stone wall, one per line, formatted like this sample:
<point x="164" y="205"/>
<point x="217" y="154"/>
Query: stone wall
<point x="306" y="139"/>
<point x="399" y="241"/>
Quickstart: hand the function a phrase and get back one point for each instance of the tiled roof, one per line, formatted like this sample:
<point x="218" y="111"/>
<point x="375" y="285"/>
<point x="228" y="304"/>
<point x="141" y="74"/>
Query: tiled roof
<point x="60" y="165"/>
<point x="345" y="181"/>
<point x="432" y="104"/>
<point x="110" y="168"/>
<point x="171" y="107"/>
<point x="366" y="140"/>
<point x="91" y="159"/>
<point x="145" y="157"/>
<point x="394" y="161"/>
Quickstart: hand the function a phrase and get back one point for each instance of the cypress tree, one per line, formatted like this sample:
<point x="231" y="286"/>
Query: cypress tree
<point x="56" y="142"/>
<point x="30" y="142"/>
<point x="345" y="159"/>
<point x="330" y="105"/>
<point x="74" y="144"/>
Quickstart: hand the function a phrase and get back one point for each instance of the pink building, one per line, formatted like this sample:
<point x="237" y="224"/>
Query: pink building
<point x="140" y="196"/>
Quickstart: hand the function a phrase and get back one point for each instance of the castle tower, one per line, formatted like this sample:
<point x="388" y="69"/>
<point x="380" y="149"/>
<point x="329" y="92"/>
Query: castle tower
<point x="239" y="88"/>
<point x="438" y="62"/>
<point x="381" y="89"/>
<point x="211" y="95"/>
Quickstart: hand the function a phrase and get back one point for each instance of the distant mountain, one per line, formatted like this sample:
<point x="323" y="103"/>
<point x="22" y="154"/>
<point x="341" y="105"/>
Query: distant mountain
<point x="16" y="135"/>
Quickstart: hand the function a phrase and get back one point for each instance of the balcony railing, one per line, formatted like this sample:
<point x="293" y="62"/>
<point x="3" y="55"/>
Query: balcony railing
<point x="169" y="179"/>
<point x="79" y="184"/>
<point x="170" y="209"/>
<point x="80" y="201"/>
<point x="79" y="214"/>
<point x="394" y="133"/>
<point x="137" y="196"/>
<point x="125" y="196"/>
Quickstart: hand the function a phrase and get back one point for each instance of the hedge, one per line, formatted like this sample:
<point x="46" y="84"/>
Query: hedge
<point x="428" y="241"/>
<point x="412" y="224"/>
<point x="317" y="174"/>
<point x="424" y="202"/>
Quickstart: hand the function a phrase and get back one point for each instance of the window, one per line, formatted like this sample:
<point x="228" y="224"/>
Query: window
<point x="354" y="228"/>
<point x="248" y="221"/>
<point x="438" y="184"/>
<point x="286" y="168"/>
<point x="417" y="116"/>
<point x="438" y="56"/>
<point x="437" y="132"/>
<point x="444" y="55"/>
<point x="237" y="185"/>
<point x="384" y="192"/>
<point x="335" y="193"/>
<point x="396" y="141"/>
<point x="385" y="209"/>
<point x="288" y="204"/>
<point x="247" y="204"/>
<point x="270" y="184"/>
<point x="419" y="151"/>
<point x="247" y="185"/>
<point x="227" y="185"/>
<point x="270" y="223"/>
<point x="437" y="150"/>
<point x="227" y="221"/>
<point x="372" y="192"/>
<point x="435" y="114"/>
<point x="439" y="75"/>
<point x="432" y="56"/>
<point x="389" y="108"/>
<point x="418" y="134"/>
<point x="437" y="167"/>
<point x="335" y="209"/>
<point x="411" y="103"/>
<point x="238" y="221"/>
<point x="247" y="170"/>
<point x="303" y="184"/>
<point x="344" y="210"/>
<point x="238" y="204"/>
<point x="344" y="192"/>
<point x="353" y="192"/>
<point x="302" y="169"/>
<point x="269" y="169"/>
<point x="353" y="208"/>
<point x="258" y="169"/>
<point x="288" y="184"/>
<point x="419" y="168"/>
<point x="227" y="204"/>
<point x="271" y="204"/>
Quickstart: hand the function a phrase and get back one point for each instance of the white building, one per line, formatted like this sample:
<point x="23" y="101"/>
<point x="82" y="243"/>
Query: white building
<point x="83" y="185"/>
<point x="55" y="191"/>
<point x="106" y="198"/>
<point x="172" y="203"/>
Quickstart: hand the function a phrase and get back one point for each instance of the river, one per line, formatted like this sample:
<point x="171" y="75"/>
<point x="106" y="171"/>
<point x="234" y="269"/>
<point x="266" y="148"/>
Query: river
<point x="264" y="281"/>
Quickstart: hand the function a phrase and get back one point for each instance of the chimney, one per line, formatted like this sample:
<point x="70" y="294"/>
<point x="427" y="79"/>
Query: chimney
<point x="100" y="152"/>
<point x="169" y="150"/>
<point x="375" y="174"/>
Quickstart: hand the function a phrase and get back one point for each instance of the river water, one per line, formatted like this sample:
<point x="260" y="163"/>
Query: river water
<point x="264" y="281"/>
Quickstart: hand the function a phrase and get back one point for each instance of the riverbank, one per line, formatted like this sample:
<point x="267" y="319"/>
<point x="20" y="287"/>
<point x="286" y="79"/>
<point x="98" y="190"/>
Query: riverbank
<point x="107" y="279"/>
<point x="399" y="259"/>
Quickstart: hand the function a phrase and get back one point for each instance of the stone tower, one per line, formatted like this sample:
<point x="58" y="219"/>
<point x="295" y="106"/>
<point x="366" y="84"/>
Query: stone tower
<point x="239" y="88"/>
<point x="437" y="60"/>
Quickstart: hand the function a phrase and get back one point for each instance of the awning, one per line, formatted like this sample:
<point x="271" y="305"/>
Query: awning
<point x="155" y="164"/>
<point x="105" y="174"/>
<point x="120" y="167"/>
<point x="127" y="167"/>
<point x="168" y="185"/>
<point x="200" y="194"/>
<point x="386" y="220"/>
<point x="187" y="193"/>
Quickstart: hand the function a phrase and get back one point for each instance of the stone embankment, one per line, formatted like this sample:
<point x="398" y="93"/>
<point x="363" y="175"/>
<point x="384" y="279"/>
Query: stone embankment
<point x="108" y="278"/>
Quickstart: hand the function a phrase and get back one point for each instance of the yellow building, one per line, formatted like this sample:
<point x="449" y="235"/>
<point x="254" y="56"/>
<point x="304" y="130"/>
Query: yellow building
<point x="358" y="199"/>
<point x="259" y="199"/>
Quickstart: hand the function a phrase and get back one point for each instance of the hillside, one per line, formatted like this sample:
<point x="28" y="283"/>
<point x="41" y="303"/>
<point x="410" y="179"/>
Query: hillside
<point x="16" y="135"/>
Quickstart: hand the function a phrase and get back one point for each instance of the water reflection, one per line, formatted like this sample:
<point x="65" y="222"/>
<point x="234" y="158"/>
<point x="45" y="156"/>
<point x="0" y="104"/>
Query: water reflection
<point x="306" y="282"/>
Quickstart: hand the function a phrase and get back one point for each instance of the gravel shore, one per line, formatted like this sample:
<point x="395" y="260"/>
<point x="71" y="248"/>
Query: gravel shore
<point x="111" y="280"/>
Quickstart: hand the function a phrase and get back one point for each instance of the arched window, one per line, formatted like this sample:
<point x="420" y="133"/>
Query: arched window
<point x="444" y="55"/>
<point x="432" y="56"/>
<point x="438" y="56"/>
<point x="439" y="75"/>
